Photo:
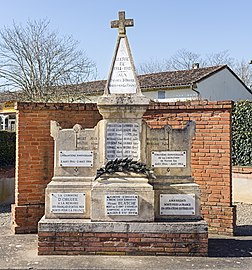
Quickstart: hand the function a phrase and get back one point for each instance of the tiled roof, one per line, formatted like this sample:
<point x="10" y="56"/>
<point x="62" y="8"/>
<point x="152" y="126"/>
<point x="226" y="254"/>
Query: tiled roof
<point x="176" y="78"/>
<point x="147" y="81"/>
<point x="159" y="80"/>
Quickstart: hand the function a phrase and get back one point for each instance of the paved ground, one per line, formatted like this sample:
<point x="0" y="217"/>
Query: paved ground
<point x="20" y="252"/>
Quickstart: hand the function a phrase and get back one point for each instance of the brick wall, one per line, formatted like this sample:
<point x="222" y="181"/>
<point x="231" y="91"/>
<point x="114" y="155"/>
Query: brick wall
<point x="211" y="154"/>
<point x="82" y="243"/>
<point x="34" y="165"/>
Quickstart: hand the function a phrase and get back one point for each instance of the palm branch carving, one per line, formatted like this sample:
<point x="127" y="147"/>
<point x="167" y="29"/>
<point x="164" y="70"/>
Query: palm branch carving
<point x="124" y="165"/>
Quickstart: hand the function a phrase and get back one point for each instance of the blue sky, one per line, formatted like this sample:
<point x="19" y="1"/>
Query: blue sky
<point x="162" y="27"/>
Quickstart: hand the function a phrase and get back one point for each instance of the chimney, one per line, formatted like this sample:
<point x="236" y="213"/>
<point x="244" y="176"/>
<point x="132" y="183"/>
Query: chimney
<point x="195" y="65"/>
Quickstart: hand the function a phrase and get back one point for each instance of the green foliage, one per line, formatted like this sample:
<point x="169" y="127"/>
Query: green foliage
<point x="242" y="133"/>
<point x="7" y="148"/>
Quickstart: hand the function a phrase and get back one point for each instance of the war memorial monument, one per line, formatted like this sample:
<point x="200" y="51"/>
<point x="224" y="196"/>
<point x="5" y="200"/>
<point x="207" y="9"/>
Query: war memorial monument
<point x="122" y="188"/>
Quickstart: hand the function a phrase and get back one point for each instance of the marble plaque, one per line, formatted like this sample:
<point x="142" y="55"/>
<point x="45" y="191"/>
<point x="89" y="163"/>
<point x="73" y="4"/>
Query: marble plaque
<point x="176" y="159"/>
<point x="122" y="205"/>
<point x="68" y="203"/>
<point x="122" y="140"/>
<point x="122" y="80"/>
<point x="76" y="158"/>
<point x="177" y="204"/>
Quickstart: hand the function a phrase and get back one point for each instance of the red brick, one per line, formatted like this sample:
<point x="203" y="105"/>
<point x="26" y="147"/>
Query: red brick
<point x="134" y="239"/>
<point x="153" y="239"/>
<point x="211" y="166"/>
<point x="120" y="235"/>
<point x="103" y="234"/>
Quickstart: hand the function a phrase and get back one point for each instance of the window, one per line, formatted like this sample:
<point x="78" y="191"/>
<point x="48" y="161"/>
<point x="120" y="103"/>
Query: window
<point x="7" y="122"/>
<point x="161" y="94"/>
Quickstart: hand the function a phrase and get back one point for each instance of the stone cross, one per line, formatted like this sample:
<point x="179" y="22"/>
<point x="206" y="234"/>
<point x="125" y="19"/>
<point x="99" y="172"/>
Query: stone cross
<point x="122" y="23"/>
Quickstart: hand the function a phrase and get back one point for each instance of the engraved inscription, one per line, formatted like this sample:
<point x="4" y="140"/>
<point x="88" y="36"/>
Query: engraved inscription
<point x="68" y="203"/>
<point x="122" y="140"/>
<point x="76" y="158"/>
<point x="86" y="142"/>
<point x="157" y="142"/>
<point x="177" y="204"/>
<point x="176" y="159"/>
<point x="122" y="78"/>
<point x="122" y="205"/>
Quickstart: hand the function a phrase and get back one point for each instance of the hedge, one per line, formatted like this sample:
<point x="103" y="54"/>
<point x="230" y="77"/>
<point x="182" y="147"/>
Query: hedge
<point x="7" y="148"/>
<point x="242" y="133"/>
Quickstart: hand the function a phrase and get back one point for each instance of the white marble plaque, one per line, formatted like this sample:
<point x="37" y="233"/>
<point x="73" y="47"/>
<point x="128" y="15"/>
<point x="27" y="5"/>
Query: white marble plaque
<point x="122" y="205"/>
<point x="68" y="203"/>
<point x="177" y="204"/>
<point x="168" y="159"/>
<point x="122" y="79"/>
<point x="122" y="140"/>
<point x="76" y="158"/>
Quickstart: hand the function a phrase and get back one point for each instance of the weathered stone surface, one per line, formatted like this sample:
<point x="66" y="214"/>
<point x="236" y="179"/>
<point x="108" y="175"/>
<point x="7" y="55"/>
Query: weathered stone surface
<point x="86" y="225"/>
<point x="78" y="185"/>
<point x="179" y="189"/>
<point x="70" y="176"/>
<point x="122" y="185"/>
<point x="75" y="139"/>
<point x="122" y="23"/>
<point x="165" y="140"/>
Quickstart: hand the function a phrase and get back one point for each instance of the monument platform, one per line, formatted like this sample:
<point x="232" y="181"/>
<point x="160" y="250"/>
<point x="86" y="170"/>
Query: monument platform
<point x="83" y="237"/>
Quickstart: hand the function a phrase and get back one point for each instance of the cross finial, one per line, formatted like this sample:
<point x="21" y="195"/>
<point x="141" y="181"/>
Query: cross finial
<point x="122" y="23"/>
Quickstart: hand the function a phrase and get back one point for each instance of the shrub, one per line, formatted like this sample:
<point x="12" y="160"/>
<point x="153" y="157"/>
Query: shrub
<point x="242" y="133"/>
<point x="7" y="148"/>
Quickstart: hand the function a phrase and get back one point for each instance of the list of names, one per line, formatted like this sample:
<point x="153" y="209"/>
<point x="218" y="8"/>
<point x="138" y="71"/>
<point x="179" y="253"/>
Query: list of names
<point x="122" y="204"/>
<point x="122" y="140"/>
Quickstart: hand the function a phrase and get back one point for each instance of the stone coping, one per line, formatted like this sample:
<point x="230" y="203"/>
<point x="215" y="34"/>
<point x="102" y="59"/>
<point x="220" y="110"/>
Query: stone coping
<point x="85" y="225"/>
<point x="242" y="169"/>
<point x="191" y="104"/>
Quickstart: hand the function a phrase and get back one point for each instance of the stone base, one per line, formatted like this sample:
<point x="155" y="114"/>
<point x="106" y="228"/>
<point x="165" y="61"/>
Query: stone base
<point x="83" y="237"/>
<point x="181" y="189"/>
<point x="122" y="185"/>
<point x="76" y="185"/>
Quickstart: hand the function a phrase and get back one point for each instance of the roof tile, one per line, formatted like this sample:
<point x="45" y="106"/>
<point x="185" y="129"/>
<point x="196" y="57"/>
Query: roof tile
<point x="159" y="80"/>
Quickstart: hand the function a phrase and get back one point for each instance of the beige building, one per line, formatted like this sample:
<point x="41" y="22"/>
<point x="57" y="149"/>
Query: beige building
<point x="214" y="83"/>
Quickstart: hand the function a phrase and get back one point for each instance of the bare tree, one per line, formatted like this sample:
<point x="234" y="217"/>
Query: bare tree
<point x="184" y="59"/>
<point x="153" y="65"/>
<point x="219" y="58"/>
<point x="37" y="62"/>
<point x="244" y="70"/>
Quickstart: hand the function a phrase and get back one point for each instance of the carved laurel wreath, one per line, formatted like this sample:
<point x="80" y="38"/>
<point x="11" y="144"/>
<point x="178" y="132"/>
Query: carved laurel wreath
<point x="125" y="165"/>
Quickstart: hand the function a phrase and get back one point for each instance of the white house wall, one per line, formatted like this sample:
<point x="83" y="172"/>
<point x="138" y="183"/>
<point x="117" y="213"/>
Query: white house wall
<point x="172" y="95"/>
<point x="223" y="85"/>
